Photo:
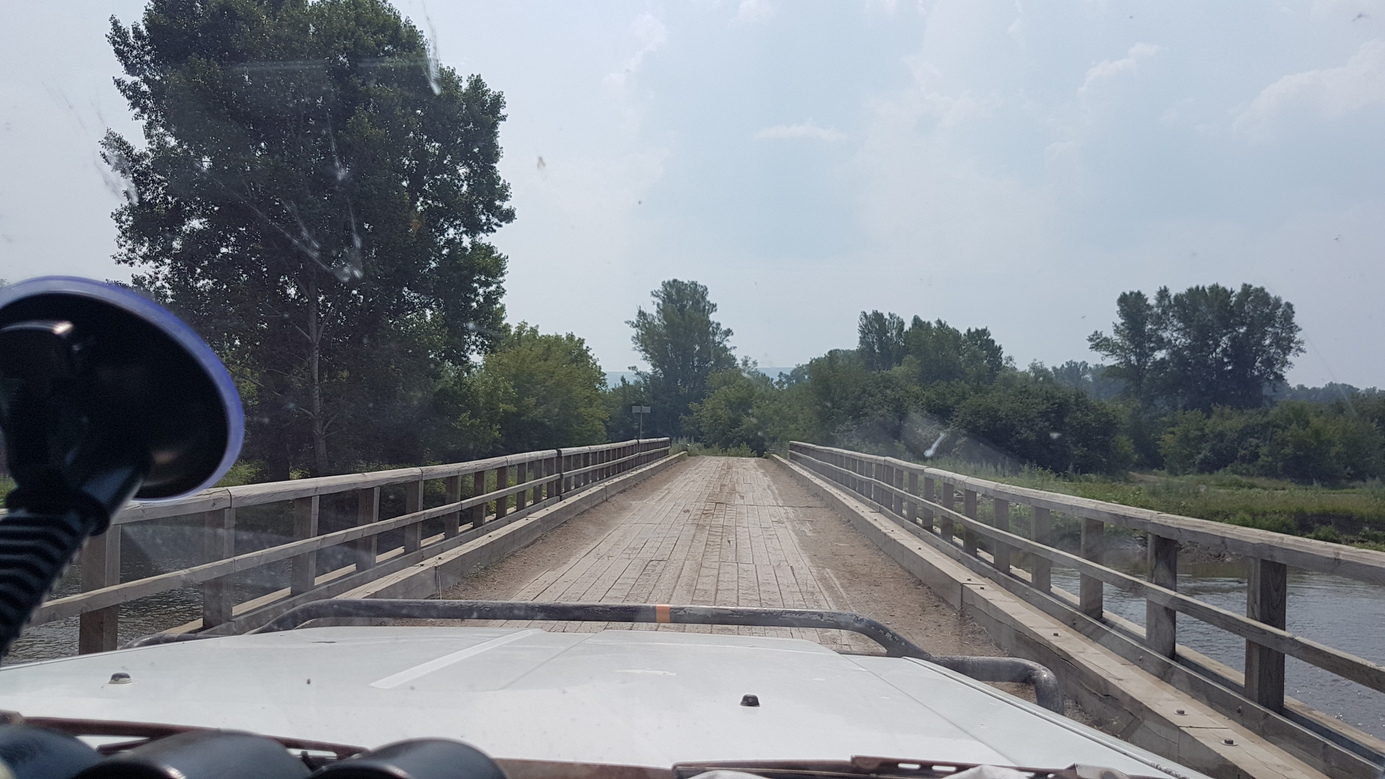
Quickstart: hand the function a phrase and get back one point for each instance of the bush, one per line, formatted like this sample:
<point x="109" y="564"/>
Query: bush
<point x="1057" y="428"/>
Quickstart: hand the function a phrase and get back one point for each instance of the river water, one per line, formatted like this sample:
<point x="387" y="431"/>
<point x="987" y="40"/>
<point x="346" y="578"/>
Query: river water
<point x="1342" y="613"/>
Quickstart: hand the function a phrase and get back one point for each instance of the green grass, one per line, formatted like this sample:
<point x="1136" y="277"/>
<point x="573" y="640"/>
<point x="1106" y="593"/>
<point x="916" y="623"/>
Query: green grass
<point x="1354" y="515"/>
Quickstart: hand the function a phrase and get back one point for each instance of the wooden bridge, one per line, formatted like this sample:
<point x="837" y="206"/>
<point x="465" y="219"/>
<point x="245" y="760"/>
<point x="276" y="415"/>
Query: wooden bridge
<point x="723" y="531"/>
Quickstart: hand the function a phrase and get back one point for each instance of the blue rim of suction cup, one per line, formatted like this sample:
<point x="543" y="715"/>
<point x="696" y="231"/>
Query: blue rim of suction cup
<point x="133" y="302"/>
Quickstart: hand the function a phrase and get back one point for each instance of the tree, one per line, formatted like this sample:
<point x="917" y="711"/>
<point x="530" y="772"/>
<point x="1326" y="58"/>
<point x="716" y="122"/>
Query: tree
<point x="1135" y="344"/>
<point x="1226" y="348"/>
<point x="732" y="414"/>
<point x="312" y="197"/>
<point x="1058" y="428"/>
<point x="684" y="346"/>
<point x="943" y="353"/>
<point x="1204" y="347"/>
<point x="881" y="340"/>
<point x="550" y="391"/>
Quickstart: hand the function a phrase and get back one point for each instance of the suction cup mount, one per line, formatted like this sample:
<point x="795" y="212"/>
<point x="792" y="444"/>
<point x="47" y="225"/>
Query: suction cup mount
<point x="104" y="396"/>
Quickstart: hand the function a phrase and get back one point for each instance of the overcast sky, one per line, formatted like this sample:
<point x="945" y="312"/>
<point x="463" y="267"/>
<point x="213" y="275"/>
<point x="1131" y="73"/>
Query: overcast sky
<point x="1011" y="165"/>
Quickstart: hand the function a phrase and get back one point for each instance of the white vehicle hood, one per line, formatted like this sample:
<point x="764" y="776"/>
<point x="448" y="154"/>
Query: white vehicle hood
<point x="648" y="698"/>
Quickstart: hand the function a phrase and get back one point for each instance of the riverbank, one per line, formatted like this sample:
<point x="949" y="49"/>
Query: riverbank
<point x="1351" y="515"/>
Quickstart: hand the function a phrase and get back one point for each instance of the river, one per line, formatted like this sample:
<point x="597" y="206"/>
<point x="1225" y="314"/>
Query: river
<point x="1339" y="612"/>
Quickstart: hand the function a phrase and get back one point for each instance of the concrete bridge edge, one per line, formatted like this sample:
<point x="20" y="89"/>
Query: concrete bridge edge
<point x="1143" y="710"/>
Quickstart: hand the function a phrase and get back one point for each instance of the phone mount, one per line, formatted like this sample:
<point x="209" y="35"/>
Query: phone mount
<point x="104" y="396"/>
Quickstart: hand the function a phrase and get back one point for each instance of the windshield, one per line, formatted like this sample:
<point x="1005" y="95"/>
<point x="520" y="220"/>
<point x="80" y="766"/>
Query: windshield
<point x="1126" y="252"/>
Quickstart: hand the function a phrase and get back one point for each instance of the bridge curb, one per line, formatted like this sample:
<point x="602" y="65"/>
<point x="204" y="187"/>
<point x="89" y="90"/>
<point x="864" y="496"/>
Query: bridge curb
<point x="1143" y="710"/>
<point x="437" y="574"/>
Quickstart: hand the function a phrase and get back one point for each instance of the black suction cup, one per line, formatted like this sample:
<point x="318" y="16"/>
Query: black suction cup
<point x="111" y="364"/>
<point x="103" y="396"/>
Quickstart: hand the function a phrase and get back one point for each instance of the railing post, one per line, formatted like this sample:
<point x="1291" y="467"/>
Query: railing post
<point x="896" y="500"/>
<point x="969" y="509"/>
<point x="1042" y="533"/>
<point x="945" y="523"/>
<point x="521" y="477"/>
<point x="218" y="596"/>
<point x="911" y="508"/>
<point x="502" y="480"/>
<point x="1161" y="626"/>
<point x="882" y="478"/>
<point x="452" y="523"/>
<point x="98" y="631"/>
<point x="1267" y="600"/>
<point x="367" y="512"/>
<point x="478" y="487"/>
<point x="1001" y="509"/>
<point x="929" y="493"/>
<point x="413" y="502"/>
<point x="1094" y="549"/>
<point x="305" y="516"/>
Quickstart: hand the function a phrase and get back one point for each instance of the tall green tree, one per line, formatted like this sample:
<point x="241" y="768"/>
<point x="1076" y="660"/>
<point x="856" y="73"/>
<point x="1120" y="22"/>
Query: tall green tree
<point x="1203" y="347"/>
<point x="942" y="353"/>
<point x="880" y="340"/>
<point x="312" y="196"/>
<point x="549" y="391"/>
<point x="1226" y="347"/>
<point x="684" y="346"/>
<point x="1135" y="345"/>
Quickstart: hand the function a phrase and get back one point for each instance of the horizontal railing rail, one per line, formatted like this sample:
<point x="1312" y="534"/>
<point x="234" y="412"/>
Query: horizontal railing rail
<point x="926" y="500"/>
<point x="483" y="494"/>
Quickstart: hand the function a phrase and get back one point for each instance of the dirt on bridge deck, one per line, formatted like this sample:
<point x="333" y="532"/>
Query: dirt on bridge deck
<point x="726" y="531"/>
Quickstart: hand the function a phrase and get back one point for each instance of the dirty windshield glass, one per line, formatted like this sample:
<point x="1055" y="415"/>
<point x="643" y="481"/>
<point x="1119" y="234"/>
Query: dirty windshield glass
<point x="1118" y="251"/>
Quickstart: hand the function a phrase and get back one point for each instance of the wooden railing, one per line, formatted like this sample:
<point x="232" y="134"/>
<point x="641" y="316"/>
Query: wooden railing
<point x="927" y="500"/>
<point x="477" y="497"/>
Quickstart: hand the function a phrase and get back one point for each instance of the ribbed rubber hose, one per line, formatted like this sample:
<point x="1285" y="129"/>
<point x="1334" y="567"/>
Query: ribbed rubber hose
<point x="34" y="550"/>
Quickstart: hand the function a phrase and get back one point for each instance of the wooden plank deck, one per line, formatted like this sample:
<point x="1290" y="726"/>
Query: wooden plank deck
<point x="727" y="532"/>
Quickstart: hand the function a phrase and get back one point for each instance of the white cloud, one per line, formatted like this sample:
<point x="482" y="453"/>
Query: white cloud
<point x="754" y="11"/>
<point x="1016" y="28"/>
<point x="1331" y="93"/>
<point x="929" y="98"/>
<point x="652" y="35"/>
<point x="806" y="129"/>
<point x="1107" y="69"/>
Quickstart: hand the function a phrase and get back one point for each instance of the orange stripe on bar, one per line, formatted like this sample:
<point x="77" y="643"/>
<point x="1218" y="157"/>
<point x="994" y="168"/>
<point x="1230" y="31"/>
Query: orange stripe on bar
<point x="661" y="613"/>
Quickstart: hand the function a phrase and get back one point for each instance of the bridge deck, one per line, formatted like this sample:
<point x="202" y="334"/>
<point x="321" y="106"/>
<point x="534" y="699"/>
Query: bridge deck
<point x="725" y="532"/>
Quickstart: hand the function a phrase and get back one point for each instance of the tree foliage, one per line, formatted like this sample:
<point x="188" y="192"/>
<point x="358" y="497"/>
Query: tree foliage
<point x="684" y="346"/>
<point x="1224" y="347"/>
<point x="1058" y="428"/>
<point x="938" y="352"/>
<point x="1201" y="348"/>
<point x="1305" y="442"/>
<point x="312" y="197"/>
<point x="880" y="340"/>
<point x="547" y="391"/>
<point x="1135" y="344"/>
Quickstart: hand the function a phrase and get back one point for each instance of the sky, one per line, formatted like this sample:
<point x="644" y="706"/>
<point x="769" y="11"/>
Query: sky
<point x="1010" y="165"/>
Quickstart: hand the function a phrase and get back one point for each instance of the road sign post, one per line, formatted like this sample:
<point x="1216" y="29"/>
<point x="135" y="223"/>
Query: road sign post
<point x="641" y="412"/>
